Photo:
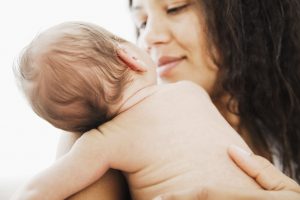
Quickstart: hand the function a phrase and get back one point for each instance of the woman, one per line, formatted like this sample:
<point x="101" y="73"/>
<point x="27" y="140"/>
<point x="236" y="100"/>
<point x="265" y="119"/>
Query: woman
<point x="245" y="54"/>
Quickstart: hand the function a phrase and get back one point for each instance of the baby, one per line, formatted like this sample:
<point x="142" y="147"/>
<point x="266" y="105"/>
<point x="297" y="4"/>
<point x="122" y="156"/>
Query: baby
<point x="164" y="138"/>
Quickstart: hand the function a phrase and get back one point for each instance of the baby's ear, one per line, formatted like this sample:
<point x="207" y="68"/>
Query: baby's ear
<point x="132" y="62"/>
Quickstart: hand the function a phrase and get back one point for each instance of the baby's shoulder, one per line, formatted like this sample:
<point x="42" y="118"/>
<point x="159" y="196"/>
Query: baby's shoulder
<point x="187" y="87"/>
<point x="186" y="83"/>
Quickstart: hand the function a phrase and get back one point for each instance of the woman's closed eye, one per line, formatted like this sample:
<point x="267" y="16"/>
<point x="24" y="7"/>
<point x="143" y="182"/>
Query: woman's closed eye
<point x="172" y="11"/>
<point x="142" y="25"/>
<point x="140" y="21"/>
<point x="178" y="8"/>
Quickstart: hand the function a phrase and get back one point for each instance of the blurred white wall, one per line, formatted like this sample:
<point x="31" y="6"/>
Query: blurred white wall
<point x="27" y="143"/>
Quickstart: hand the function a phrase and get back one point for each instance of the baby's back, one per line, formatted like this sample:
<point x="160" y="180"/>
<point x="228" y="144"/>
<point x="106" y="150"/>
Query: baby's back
<point x="175" y="139"/>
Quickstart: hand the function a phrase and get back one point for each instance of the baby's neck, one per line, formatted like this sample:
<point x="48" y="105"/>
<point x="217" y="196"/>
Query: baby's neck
<point x="136" y="97"/>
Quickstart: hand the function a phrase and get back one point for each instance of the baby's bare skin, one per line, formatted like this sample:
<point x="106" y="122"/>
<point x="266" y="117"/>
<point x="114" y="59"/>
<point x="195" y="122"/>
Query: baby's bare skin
<point x="164" y="138"/>
<point x="174" y="139"/>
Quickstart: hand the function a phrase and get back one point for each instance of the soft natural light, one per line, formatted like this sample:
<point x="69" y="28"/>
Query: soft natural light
<point x="27" y="142"/>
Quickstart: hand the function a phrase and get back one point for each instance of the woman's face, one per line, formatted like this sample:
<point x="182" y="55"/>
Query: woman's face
<point x="173" y="33"/>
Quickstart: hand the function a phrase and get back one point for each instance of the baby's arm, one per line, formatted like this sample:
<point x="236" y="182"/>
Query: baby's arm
<point x="84" y="164"/>
<point x="111" y="186"/>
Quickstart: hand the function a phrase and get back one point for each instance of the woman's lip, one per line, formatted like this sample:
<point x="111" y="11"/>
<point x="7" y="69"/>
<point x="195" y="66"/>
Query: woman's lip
<point x="165" y="68"/>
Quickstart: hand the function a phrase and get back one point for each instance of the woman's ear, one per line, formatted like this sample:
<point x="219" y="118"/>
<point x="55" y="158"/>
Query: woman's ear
<point x="132" y="62"/>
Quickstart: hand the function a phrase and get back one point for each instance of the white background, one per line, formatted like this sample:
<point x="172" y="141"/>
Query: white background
<point x="28" y="143"/>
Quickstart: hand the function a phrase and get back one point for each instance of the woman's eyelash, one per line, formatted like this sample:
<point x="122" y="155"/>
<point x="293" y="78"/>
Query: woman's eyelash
<point x="173" y="10"/>
<point x="177" y="9"/>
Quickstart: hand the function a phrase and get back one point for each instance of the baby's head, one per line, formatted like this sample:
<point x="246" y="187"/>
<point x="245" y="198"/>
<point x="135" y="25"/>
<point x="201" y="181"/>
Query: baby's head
<point x="73" y="75"/>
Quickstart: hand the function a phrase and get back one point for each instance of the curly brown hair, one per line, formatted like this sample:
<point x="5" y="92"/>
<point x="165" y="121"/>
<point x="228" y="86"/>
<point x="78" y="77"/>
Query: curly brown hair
<point x="259" y="46"/>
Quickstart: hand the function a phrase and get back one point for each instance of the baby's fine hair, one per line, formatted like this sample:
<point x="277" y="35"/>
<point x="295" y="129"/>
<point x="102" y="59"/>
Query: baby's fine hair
<point x="71" y="75"/>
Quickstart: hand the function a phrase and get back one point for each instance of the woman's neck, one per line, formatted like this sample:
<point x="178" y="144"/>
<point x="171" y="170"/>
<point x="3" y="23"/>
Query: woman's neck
<point x="231" y="115"/>
<point x="234" y="120"/>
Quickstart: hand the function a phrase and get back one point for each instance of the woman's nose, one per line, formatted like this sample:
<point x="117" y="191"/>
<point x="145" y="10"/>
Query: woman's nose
<point x="156" y="32"/>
